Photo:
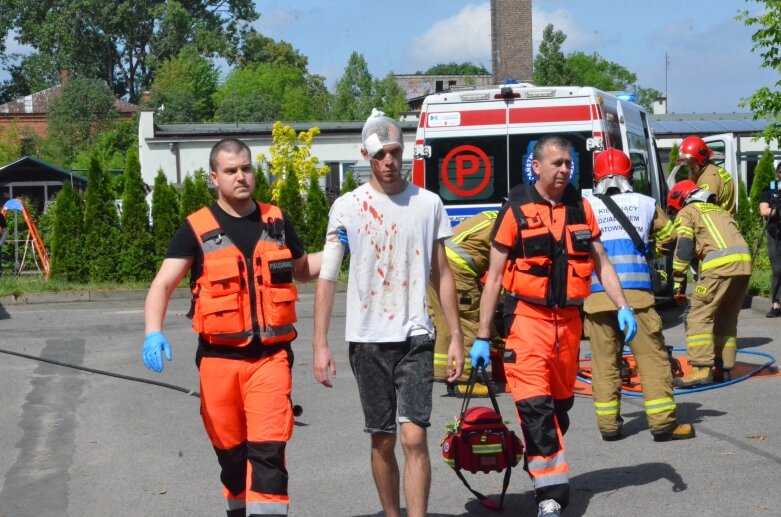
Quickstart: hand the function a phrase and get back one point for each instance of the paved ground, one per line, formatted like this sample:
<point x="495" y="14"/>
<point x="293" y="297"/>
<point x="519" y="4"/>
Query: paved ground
<point x="77" y="443"/>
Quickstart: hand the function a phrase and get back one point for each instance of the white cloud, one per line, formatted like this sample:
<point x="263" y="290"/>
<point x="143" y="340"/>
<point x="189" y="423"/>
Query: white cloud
<point x="275" y="20"/>
<point x="460" y="38"/>
<point x="563" y="20"/>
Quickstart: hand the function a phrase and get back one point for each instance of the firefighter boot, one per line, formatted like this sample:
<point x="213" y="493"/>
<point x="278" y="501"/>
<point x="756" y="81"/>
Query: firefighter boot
<point x="679" y="432"/>
<point x="697" y="376"/>
<point x="479" y="390"/>
<point x="611" y="435"/>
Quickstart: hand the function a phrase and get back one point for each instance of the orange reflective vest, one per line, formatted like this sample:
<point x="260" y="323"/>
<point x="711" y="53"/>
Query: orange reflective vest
<point x="230" y="308"/>
<point x="545" y="269"/>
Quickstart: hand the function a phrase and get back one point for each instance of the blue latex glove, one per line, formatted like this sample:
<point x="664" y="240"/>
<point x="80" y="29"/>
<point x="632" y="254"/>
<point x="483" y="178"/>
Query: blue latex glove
<point x="479" y="353"/>
<point x="155" y="344"/>
<point x="342" y="234"/>
<point x="627" y="323"/>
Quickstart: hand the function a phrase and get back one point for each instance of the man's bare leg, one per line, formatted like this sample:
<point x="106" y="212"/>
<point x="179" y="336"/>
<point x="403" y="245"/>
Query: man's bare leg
<point x="385" y="470"/>
<point x="417" y="469"/>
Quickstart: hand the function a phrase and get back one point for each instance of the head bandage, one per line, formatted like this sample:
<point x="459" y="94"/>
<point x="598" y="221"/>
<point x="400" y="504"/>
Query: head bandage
<point x="379" y="131"/>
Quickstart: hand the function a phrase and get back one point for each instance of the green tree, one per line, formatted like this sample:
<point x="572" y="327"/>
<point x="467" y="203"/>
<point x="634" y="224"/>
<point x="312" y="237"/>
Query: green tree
<point x="646" y="97"/>
<point x="184" y="86"/>
<point x="121" y="42"/>
<point x="138" y="259"/>
<point x="292" y="203"/>
<point x="9" y="146"/>
<point x="746" y="218"/>
<point x="103" y="241"/>
<point x="111" y="146"/>
<point x="594" y="70"/>
<point x="453" y="68"/>
<point x="256" y="48"/>
<point x="550" y="65"/>
<point x="33" y="73"/>
<point x="764" y="173"/>
<point x="165" y="214"/>
<point x="262" y="186"/>
<point x="68" y="261"/>
<point x="195" y="193"/>
<point x="349" y="184"/>
<point x="291" y="154"/>
<point x="84" y="109"/>
<point x="389" y="97"/>
<point x="316" y="216"/>
<point x="354" y="91"/>
<point x="263" y="92"/>
<point x="765" y="103"/>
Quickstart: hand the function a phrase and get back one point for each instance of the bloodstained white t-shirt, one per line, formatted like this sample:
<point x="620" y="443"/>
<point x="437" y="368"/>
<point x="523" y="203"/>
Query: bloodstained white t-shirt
<point x="391" y="244"/>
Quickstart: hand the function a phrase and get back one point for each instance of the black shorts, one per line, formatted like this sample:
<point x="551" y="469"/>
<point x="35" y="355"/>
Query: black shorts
<point x="394" y="375"/>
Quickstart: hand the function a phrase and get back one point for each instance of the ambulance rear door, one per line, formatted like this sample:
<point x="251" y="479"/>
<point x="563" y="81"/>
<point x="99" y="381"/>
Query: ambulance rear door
<point x="466" y="151"/>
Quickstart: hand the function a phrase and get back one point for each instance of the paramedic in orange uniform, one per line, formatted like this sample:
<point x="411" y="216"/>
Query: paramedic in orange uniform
<point x="242" y="257"/>
<point x="546" y="274"/>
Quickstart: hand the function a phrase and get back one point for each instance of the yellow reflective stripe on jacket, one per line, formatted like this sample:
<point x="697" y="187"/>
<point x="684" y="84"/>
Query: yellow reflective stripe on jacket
<point x="659" y="405"/>
<point x="713" y="231"/>
<point x="686" y="231"/>
<point x="456" y="254"/>
<point x="666" y="231"/>
<point x="726" y="256"/>
<point x="606" y="408"/>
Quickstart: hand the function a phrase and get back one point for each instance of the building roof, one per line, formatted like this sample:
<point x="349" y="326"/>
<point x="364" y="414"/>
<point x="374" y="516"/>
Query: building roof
<point x="671" y="125"/>
<point x="259" y="129"/>
<point x="30" y="169"/>
<point x="38" y="103"/>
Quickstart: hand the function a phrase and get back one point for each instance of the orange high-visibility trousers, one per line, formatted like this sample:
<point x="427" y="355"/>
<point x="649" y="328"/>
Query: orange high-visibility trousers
<point x="542" y="381"/>
<point x="246" y="410"/>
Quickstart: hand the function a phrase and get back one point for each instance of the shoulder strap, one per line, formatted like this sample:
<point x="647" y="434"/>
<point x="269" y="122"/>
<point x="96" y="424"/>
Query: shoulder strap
<point x="518" y="196"/>
<point x="621" y="217"/>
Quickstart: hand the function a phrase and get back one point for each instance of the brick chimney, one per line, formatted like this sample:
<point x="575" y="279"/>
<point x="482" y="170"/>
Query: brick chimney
<point x="146" y="98"/>
<point x="63" y="75"/>
<point x="511" y="40"/>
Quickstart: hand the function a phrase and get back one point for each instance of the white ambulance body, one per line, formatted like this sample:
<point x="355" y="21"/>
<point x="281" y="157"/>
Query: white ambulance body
<point x="472" y="146"/>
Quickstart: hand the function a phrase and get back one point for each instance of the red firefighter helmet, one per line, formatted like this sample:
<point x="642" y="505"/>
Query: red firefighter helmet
<point x="679" y="194"/>
<point x="694" y="147"/>
<point x="612" y="161"/>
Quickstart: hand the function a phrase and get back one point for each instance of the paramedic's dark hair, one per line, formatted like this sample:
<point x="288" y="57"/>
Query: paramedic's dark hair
<point x="229" y="145"/>
<point x="551" y="140"/>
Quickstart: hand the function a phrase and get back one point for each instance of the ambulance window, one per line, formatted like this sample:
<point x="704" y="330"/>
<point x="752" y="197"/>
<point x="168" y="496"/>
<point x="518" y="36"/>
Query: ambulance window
<point x="468" y="170"/>
<point x="521" y="161"/>
<point x="638" y="152"/>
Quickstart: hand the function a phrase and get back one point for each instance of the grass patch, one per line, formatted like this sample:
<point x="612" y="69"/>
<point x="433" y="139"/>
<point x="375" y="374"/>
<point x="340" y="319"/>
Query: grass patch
<point x="24" y="284"/>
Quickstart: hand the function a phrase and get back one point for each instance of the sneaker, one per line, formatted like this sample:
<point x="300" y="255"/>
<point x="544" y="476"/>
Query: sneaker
<point x="679" y="432"/>
<point x="549" y="508"/>
<point x="774" y="312"/>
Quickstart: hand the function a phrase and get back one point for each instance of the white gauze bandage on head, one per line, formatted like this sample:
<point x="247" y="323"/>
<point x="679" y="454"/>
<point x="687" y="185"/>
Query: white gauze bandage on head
<point x="379" y="131"/>
<point x="331" y="260"/>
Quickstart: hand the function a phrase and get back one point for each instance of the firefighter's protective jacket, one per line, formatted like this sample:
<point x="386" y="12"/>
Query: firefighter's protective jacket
<point x="710" y="234"/>
<point x="230" y="307"/>
<point x="719" y="181"/>
<point x="469" y="249"/>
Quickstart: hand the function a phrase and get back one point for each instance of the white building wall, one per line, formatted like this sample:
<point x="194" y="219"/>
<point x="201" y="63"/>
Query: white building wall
<point x="159" y="152"/>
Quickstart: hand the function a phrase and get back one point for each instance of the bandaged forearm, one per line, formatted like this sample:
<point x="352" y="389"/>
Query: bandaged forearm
<point x="332" y="259"/>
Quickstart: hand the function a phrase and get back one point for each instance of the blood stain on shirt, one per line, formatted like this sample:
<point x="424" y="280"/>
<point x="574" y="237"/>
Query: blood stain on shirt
<point x="381" y="272"/>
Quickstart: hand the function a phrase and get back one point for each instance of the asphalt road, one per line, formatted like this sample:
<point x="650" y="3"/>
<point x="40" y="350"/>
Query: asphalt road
<point x="78" y="443"/>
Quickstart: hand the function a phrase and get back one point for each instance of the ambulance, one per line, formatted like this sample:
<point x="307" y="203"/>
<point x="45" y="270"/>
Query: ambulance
<point x="473" y="145"/>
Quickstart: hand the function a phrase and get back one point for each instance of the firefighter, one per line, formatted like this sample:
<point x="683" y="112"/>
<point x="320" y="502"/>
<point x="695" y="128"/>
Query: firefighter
<point x="467" y="253"/>
<point x="544" y="249"/>
<point x="709" y="234"/>
<point x="629" y="250"/>
<point x="242" y="257"/>
<point x="697" y="156"/>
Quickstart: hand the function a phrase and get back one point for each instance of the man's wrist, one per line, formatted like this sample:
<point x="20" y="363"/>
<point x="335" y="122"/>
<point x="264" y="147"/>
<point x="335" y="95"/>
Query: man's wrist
<point x="484" y="338"/>
<point x="627" y="307"/>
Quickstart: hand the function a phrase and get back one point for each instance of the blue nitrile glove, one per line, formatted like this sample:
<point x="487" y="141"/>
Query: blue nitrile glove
<point x="479" y="353"/>
<point x="342" y="234"/>
<point x="627" y="323"/>
<point x="154" y="344"/>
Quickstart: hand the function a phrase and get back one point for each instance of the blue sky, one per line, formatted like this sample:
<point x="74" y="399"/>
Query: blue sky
<point x="711" y="64"/>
